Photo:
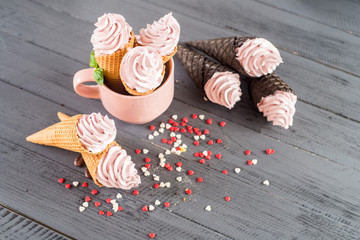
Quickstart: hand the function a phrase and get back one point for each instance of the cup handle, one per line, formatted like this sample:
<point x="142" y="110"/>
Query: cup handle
<point x="86" y="75"/>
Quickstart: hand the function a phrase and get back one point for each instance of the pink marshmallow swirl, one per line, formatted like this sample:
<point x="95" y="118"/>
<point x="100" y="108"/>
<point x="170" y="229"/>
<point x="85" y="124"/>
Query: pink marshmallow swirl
<point x="223" y="88"/>
<point x="279" y="108"/>
<point x="96" y="131"/>
<point x="163" y="35"/>
<point x="141" y="69"/>
<point x="116" y="170"/>
<point x="111" y="34"/>
<point x="258" y="57"/>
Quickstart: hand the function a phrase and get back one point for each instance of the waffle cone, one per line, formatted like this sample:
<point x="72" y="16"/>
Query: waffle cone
<point x="136" y="93"/>
<point x="168" y="57"/>
<point x="111" y="65"/>
<point x="199" y="67"/>
<point x="92" y="161"/>
<point x="266" y="86"/>
<point x="62" y="116"/>
<point x="223" y="50"/>
<point x="62" y="135"/>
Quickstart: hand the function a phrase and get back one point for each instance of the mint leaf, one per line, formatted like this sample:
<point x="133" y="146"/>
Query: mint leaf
<point x="92" y="62"/>
<point x="99" y="76"/>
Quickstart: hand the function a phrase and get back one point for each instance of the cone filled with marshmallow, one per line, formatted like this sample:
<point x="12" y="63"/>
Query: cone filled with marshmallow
<point x="250" y="56"/>
<point x="220" y="84"/>
<point x="275" y="99"/>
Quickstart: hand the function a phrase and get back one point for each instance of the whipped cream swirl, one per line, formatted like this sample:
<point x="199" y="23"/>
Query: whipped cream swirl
<point x="111" y="34"/>
<point x="116" y="170"/>
<point x="163" y="35"/>
<point x="141" y="69"/>
<point x="96" y="131"/>
<point x="279" y="108"/>
<point x="258" y="57"/>
<point x="223" y="88"/>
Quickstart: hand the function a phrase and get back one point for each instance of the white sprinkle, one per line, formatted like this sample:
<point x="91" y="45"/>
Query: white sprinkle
<point x="178" y="152"/>
<point x="174" y="117"/>
<point x="81" y="209"/>
<point x="208" y="208"/>
<point x="147" y="173"/>
<point x="156" y="133"/>
<point x="179" y="179"/>
<point x="266" y="182"/>
<point x="161" y="130"/>
<point x="151" y="207"/>
<point x="172" y="134"/>
<point x="167" y="126"/>
<point x="118" y="195"/>
<point x="167" y="152"/>
<point x="176" y="144"/>
<point x="173" y="150"/>
<point x="205" y="153"/>
<point x="145" y="151"/>
<point x="167" y="184"/>
<point x="205" y="99"/>
<point x="254" y="161"/>
<point x="179" y="141"/>
<point x="162" y="184"/>
<point x="203" y="136"/>
<point x="150" y="137"/>
<point x="75" y="184"/>
<point x="196" y="137"/>
<point x="237" y="170"/>
<point x="85" y="204"/>
<point x="156" y="178"/>
<point x="162" y="164"/>
<point x="178" y="136"/>
<point x="162" y="159"/>
<point x="115" y="207"/>
<point x="178" y="169"/>
<point x="157" y="202"/>
<point x="184" y="146"/>
<point x="160" y="155"/>
<point x="201" y="117"/>
<point x="113" y="201"/>
<point x="162" y="125"/>
<point x="143" y="169"/>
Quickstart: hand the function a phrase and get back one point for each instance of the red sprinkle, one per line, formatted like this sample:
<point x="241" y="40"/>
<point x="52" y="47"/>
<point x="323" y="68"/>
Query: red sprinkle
<point x="175" y="124"/>
<point x="108" y="200"/>
<point x="173" y="139"/>
<point x="218" y="141"/>
<point x="137" y="151"/>
<point x="167" y="165"/>
<point x="202" y="161"/>
<point x="206" y="131"/>
<point x="270" y="151"/>
<point x="194" y="116"/>
<point x="209" y="152"/>
<point x="60" y="180"/>
<point x="198" y="133"/>
<point x="147" y="160"/>
<point x="196" y="143"/>
<point x="196" y="154"/>
<point x="152" y="127"/>
<point x="170" y="142"/>
<point x="218" y="156"/>
<point x="171" y="121"/>
<point x="188" y="191"/>
<point x="209" y="121"/>
<point x="164" y="140"/>
<point x="67" y="186"/>
<point x="249" y="162"/>
<point x="176" y="129"/>
<point x="247" y="152"/>
<point x="94" y="191"/>
<point x="87" y="199"/>
<point x="97" y="204"/>
<point x="199" y="179"/>
<point x="170" y="168"/>
<point x="172" y="129"/>
<point x="190" y="131"/>
<point x="156" y="185"/>
<point x="183" y="124"/>
<point x="189" y="127"/>
<point x="185" y="120"/>
<point x="201" y="155"/>
<point x="179" y="164"/>
<point x="166" y="204"/>
<point x="151" y="235"/>
<point x="136" y="192"/>
<point x="84" y="184"/>
<point x="210" y="142"/>
<point x="190" y="172"/>
<point x="145" y="208"/>
<point x="208" y="157"/>
<point x="224" y="172"/>
<point x="101" y="212"/>
<point x="222" y="124"/>
<point x="147" y="165"/>
<point x="227" y="198"/>
<point x="196" y="130"/>
<point x="109" y="213"/>
<point x="183" y="130"/>
<point x="120" y="209"/>
<point x="178" y="148"/>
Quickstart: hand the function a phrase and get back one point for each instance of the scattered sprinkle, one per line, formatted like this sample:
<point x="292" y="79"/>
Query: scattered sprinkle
<point x="222" y="124"/>
<point x="201" y="117"/>
<point x="270" y="151"/>
<point x="151" y="208"/>
<point x="156" y="178"/>
<point x="174" y="117"/>
<point x="94" y="191"/>
<point x="266" y="182"/>
<point x="196" y="137"/>
<point x="190" y="172"/>
<point x="188" y="191"/>
<point x="206" y="131"/>
<point x="118" y="195"/>
<point x="227" y="198"/>
<point x="196" y="143"/>
<point x="108" y="200"/>
<point x="219" y="141"/>
<point x="101" y="212"/>
<point x="75" y="183"/>
<point x="152" y="127"/>
<point x="162" y="184"/>
<point x="137" y="151"/>
<point x="202" y="161"/>
<point x="178" y="169"/>
<point x="145" y="151"/>
<point x="97" y="204"/>
<point x="209" y="121"/>
<point x="152" y="235"/>
<point x="135" y="192"/>
<point x="199" y="179"/>
<point x="120" y="209"/>
<point x="67" y="186"/>
<point x="161" y="130"/>
<point x="81" y="208"/>
<point x="237" y="170"/>
<point x="108" y="213"/>
<point x="194" y="116"/>
<point x="167" y="184"/>
<point x="60" y="180"/>
<point x="150" y="137"/>
<point x="113" y="201"/>
<point x="156" y="185"/>
<point x="166" y="204"/>
<point x="218" y="156"/>
<point x="208" y="208"/>
<point x="157" y="202"/>
<point x="249" y="162"/>
<point x="254" y="161"/>
<point x="85" y="204"/>
<point x="145" y="208"/>
<point x="247" y="152"/>
<point x="210" y="142"/>
<point x="179" y="179"/>
<point x="224" y="171"/>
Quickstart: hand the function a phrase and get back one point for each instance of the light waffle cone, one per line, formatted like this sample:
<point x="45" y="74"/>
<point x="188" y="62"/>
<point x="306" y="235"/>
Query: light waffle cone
<point x="110" y="63"/>
<point x="199" y="67"/>
<point x="92" y="161"/>
<point x="223" y="50"/>
<point x="266" y="86"/>
<point x="168" y="57"/>
<point x="136" y="93"/>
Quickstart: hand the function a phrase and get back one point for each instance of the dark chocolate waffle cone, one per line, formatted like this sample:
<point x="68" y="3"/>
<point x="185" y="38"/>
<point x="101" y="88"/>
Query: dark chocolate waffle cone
<point x="223" y="50"/>
<point x="267" y="85"/>
<point x="199" y="67"/>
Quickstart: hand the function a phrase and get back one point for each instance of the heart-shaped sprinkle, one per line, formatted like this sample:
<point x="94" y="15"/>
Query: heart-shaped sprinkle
<point x="175" y="124"/>
<point x="172" y="128"/>
<point x="202" y="137"/>
<point x="224" y="171"/>
<point x="188" y="191"/>
<point x="84" y="184"/>
<point x="67" y="186"/>
<point x="145" y="208"/>
<point x="145" y="151"/>
<point x="120" y="209"/>
<point x="170" y="168"/>
<point x="94" y="191"/>
<point x="97" y="204"/>
<point x="167" y="126"/>
<point x="101" y="212"/>
<point x="166" y="204"/>
<point x="219" y="141"/>
<point x="210" y="142"/>
<point x="196" y="143"/>
<point x="108" y="200"/>
<point x="183" y="124"/>
<point x="162" y="164"/>
<point x="185" y="119"/>
<point x="196" y="137"/>
<point x="156" y="185"/>
<point x="269" y="151"/>
<point x="206" y="131"/>
<point x="85" y="204"/>
<point x="162" y="125"/>
<point x="237" y="170"/>
<point x="152" y="127"/>
<point x="81" y="208"/>
<point x="156" y="133"/>
<point x="147" y="160"/>
<point x="108" y="213"/>
<point x="199" y="179"/>
<point x="202" y="161"/>
<point x="208" y="208"/>
<point x="208" y="157"/>
<point x="60" y="180"/>
<point x="167" y="152"/>
<point x="183" y="130"/>
<point x="196" y="154"/>
<point x="218" y="156"/>
<point x="157" y="202"/>
<point x="222" y="124"/>
<point x="247" y="152"/>
<point x="174" y="116"/>
<point x="87" y="199"/>
<point x="147" y="165"/>
<point x="171" y="121"/>
<point x="209" y="152"/>
<point x="179" y="179"/>
<point x="162" y="184"/>
<point x="179" y="164"/>
<point x="161" y="130"/>
<point x="266" y="182"/>
<point x="190" y="172"/>
<point x="227" y="198"/>
<point x="194" y="116"/>
<point x="75" y="183"/>
<point x="113" y="201"/>
<point x="143" y="169"/>
<point x="254" y="161"/>
<point x="152" y="235"/>
<point x="190" y="131"/>
<point x="137" y="151"/>
<point x="150" y="137"/>
<point x="156" y="178"/>
<point x="118" y="195"/>
<point x="178" y="169"/>
<point x="249" y="162"/>
<point x="209" y="121"/>
<point x="201" y="117"/>
<point x="151" y="208"/>
<point x="164" y="140"/>
<point x="135" y="192"/>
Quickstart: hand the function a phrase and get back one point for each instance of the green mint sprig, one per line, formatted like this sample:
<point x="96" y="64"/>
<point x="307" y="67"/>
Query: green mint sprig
<point x="99" y="72"/>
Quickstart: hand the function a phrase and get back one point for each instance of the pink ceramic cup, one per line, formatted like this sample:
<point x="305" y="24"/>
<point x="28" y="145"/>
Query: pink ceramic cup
<point x="131" y="109"/>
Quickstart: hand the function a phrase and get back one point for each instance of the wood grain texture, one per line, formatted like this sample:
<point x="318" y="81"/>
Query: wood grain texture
<point x="15" y="226"/>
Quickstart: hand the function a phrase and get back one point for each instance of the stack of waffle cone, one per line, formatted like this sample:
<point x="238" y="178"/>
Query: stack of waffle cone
<point x="64" y="135"/>
<point x="110" y="63"/>
<point x="199" y="67"/>
<point x="223" y="50"/>
<point x="267" y="85"/>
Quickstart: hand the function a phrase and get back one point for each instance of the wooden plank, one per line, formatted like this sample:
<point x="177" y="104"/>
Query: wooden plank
<point x="15" y="226"/>
<point x="343" y="15"/>
<point x="305" y="76"/>
<point x="254" y="211"/>
<point x="307" y="38"/>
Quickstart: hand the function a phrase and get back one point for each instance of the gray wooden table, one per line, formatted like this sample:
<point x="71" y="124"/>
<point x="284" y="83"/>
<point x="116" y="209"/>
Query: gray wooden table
<point x="314" y="190"/>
